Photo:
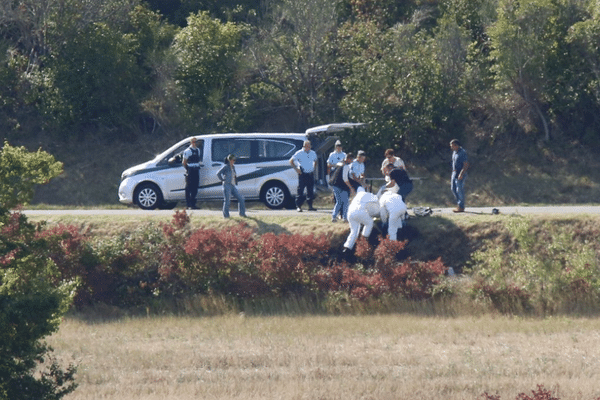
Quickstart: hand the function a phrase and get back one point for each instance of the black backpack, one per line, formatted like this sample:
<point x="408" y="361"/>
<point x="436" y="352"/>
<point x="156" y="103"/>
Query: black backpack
<point x="337" y="178"/>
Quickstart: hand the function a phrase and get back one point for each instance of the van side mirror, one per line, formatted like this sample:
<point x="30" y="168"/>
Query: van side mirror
<point x="176" y="159"/>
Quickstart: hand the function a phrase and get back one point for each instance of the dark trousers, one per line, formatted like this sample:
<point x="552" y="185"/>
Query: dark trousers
<point x="305" y="181"/>
<point x="192" y="180"/>
<point x="405" y="189"/>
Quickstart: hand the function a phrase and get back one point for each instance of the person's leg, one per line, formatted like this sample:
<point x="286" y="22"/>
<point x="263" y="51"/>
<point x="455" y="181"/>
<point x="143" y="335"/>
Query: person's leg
<point x="384" y="215"/>
<point x="395" y="223"/>
<point x="460" y="192"/>
<point x="194" y="181"/>
<point x="367" y="221"/>
<point x="354" y="220"/>
<point x="454" y="188"/>
<point x="310" y="190"/>
<point x="226" y="199"/>
<point x="301" y="186"/>
<point x="241" y="201"/>
<point x="338" y="202"/>
<point x="405" y="189"/>
<point x="345" y="196"/>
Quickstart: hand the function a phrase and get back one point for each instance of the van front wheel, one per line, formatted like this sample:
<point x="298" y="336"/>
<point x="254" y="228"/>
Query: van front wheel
<point x="275" y="195"/>
<point x="148" y="196"/>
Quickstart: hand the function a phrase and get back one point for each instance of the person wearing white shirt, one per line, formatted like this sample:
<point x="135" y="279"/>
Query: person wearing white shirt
<point x="390" y="158"/>
<point x="363" y="208"/>
<point x="304" y="162"/>
<point x="334" y="158"/>
<point x="357" y="171"/>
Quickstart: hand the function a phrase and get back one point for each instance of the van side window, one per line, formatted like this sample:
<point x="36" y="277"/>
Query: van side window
<point x="271" y="149"/>
<point x="241" y="148"/>
<point x="175" y="157"/>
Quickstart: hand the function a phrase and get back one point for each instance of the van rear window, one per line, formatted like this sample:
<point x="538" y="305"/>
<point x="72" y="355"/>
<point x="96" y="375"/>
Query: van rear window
<point x="271" y="149"/>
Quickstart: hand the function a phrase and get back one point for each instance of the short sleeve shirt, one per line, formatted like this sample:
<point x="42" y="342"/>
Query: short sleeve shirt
<point x="336" y="157"/>
<point x="305" y="160"/>
<point x="398" y="163"/>
<point x="356" y="169"/>
<point x="459" y="158"/>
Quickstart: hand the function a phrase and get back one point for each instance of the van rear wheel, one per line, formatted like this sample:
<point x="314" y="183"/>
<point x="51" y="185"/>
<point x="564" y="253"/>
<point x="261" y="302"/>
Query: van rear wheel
<point x="275" y="195"/>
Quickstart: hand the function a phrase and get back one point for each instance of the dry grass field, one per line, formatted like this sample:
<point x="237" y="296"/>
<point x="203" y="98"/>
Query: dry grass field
<point x="317" y="357"/>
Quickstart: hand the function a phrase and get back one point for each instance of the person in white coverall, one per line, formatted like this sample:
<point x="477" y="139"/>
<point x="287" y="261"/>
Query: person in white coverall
<point x="392" y="211"/>
<point x="363" y="208"/>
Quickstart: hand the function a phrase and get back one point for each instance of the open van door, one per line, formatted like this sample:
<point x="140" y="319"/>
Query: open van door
<point x="332" y="128"/>
<point x="322" y="139"/>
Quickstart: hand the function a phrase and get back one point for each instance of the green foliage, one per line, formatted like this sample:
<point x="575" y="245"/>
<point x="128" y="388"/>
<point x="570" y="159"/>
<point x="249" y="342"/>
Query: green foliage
<point x="20" y="171"/>
<point x="541" y="270"/>
<point x="207" y="54"/>
<point x="293" y="56"/>
<point x="94" y="79"/>
<point x="409" y="85"/>
<point x="33" y="297"/>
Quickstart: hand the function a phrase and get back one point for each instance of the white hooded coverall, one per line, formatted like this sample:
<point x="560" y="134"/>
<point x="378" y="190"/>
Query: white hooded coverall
<point x="392" y="210"/>
<point x="363" y="208"/>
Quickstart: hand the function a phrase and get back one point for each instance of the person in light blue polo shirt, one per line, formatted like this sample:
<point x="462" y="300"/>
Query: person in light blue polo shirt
<point x="304" y="162"/>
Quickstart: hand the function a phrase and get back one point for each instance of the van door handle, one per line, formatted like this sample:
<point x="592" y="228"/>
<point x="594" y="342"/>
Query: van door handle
<point x="217" y="164"/>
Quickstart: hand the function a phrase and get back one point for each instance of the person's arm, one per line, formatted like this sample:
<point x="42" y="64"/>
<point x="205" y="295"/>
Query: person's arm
<point x="345" y="173"/>
<point x="185" y="157"/>
<point x="463" y="170"/>
<point x="220" y="173"/>
<point x="293" y="164"/>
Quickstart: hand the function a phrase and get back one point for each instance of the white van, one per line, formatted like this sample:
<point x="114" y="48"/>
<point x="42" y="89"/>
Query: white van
<point x="262" y="166"/>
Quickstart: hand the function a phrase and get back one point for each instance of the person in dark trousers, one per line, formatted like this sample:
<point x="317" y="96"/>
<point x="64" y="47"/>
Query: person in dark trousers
<point x="460" y="165"/>
<point x="191" y="162"/>
<point x="228" y="176"/>
<point x="304" y="163"/>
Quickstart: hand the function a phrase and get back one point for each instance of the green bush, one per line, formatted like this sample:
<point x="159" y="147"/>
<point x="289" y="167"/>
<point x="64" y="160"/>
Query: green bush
<point x="542" y="270"/>
<point x="33" y="297"/>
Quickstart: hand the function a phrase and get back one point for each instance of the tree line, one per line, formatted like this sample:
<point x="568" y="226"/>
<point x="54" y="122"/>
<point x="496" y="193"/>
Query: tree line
<point x="420" y="72"/>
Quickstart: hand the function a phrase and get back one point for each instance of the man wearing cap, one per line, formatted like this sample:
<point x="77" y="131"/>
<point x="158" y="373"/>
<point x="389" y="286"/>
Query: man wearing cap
<point x="357" y="171"/>
<point x="304" y="162"/>
<point x="335" y="157"/>
<point x="191" y="162"/>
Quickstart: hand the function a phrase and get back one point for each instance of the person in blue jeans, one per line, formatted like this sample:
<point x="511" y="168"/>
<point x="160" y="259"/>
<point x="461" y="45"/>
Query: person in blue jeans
<point x="460" y="165"/>
<point x="341" y="188"/>
<point x="228" y="176"/>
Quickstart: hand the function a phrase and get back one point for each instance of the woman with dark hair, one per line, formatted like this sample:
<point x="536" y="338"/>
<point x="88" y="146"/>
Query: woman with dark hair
<point x="228" y="176"/>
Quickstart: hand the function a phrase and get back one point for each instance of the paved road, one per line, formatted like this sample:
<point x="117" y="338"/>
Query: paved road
<point x="517" y="210"/>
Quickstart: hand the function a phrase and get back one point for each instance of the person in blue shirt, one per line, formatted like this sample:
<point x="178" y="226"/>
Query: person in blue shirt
<point x="460" y="165"/>
<point x="304" y="162"/>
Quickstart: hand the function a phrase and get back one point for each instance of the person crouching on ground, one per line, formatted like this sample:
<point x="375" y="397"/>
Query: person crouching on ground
<point x="228" y="176"/>
<point x="398" y="182"/>
<point x="304" y="162"/>
<point x="363" y="208"/>
<point x="393" y="211"/>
